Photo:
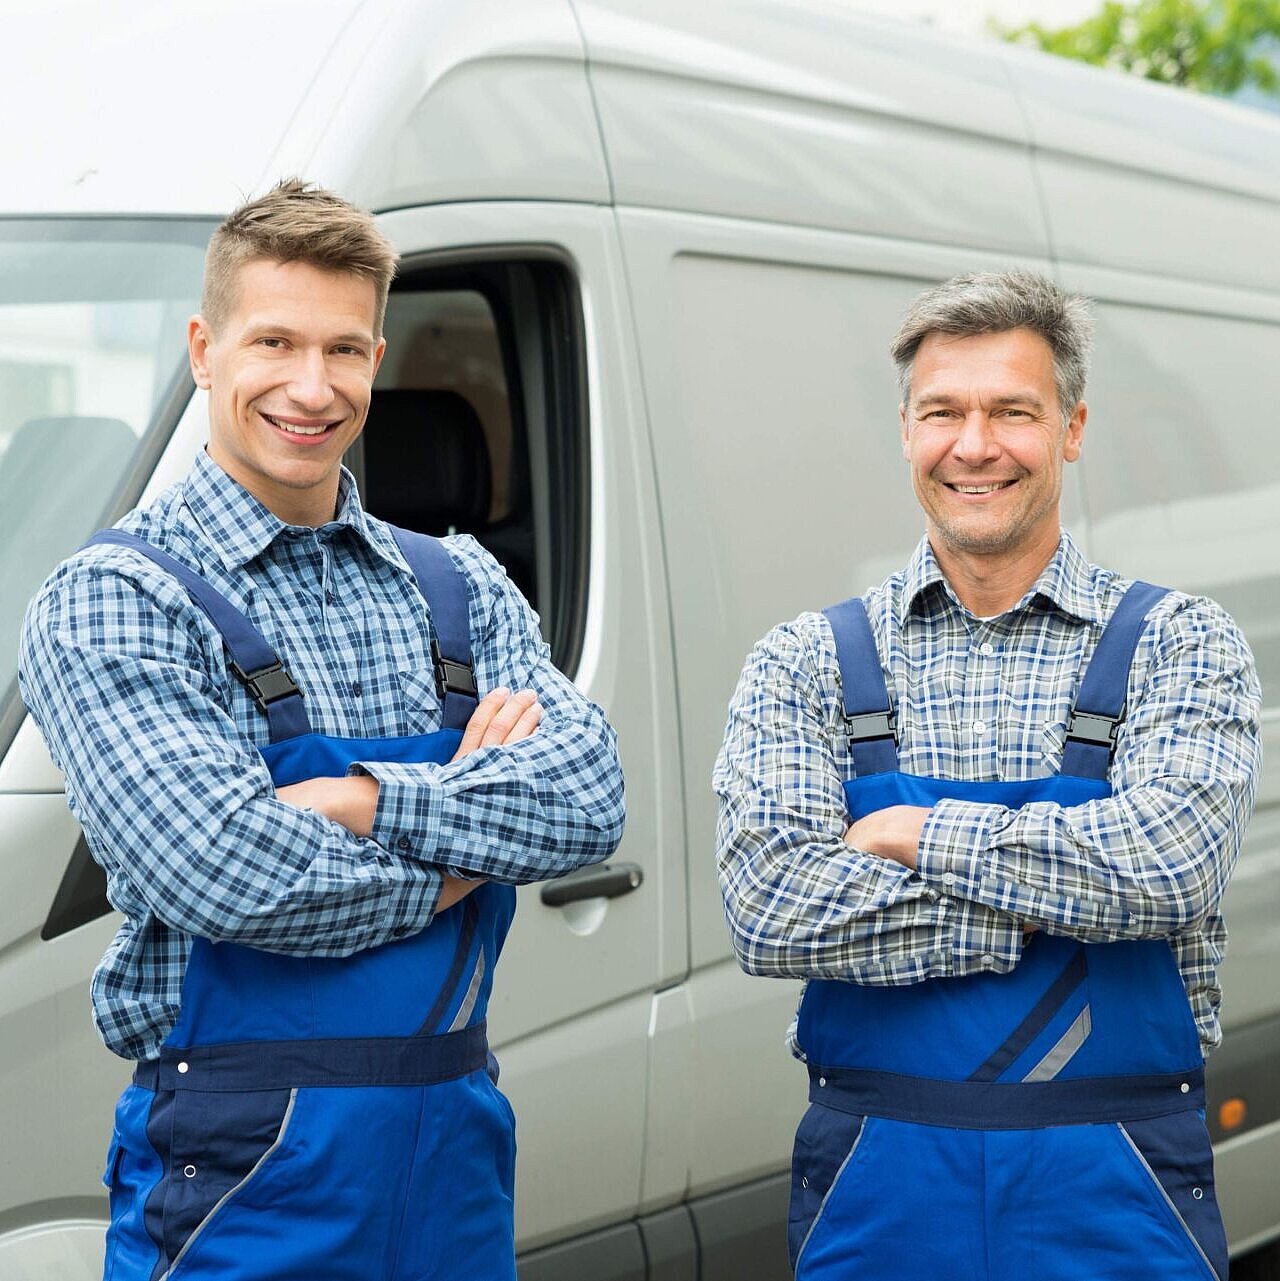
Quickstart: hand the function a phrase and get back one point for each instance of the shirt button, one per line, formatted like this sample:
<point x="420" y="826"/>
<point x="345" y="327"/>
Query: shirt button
<point x="948" y="878"/>
<point x="988" y="960"/>
<point x="987" y="648"/>
<point x="979" y="727"/>
<point x="403" y="843"/>
<point x="356" y="688"/>
<point x="329" y="598"/>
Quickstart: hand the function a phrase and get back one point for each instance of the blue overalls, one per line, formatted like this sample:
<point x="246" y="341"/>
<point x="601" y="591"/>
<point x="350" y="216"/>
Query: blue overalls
<point x="1046" y="1123"/>
<point x="316" y="1118"/>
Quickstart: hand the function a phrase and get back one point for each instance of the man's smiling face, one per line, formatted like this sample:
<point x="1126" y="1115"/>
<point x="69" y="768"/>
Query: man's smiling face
<point x="984" y="438"/>
<point x="289" y="374"/>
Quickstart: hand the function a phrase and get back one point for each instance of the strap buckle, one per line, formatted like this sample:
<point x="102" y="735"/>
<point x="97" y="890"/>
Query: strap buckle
<point x="452" y="677"/>
<point x="868" y="725"/>
<point x="1101" y="731"/>
<point x="266" y="685"/>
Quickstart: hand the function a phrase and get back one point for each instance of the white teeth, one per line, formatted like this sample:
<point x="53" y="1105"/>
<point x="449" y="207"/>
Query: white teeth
<point x="295" y="429"/>
<point x="981" y="489"/>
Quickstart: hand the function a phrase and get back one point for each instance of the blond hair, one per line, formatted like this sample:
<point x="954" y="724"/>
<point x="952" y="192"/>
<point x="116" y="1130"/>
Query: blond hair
<point x="296" y="222"/>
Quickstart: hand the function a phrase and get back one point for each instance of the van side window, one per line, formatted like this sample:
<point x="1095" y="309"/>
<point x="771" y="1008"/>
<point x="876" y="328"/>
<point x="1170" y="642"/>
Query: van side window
<point x="477" y="425"/>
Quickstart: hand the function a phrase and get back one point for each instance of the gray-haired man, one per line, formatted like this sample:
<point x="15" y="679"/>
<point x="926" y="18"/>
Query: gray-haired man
<point x="989" y="810"/>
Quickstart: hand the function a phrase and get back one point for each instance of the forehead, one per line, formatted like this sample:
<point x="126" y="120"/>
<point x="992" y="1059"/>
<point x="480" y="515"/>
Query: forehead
<point x="298" y="293"/>
<point x="955" y="363"/>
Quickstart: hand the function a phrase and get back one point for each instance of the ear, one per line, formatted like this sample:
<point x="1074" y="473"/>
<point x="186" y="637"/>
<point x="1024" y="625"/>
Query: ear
<point x="378" y="352"/>
<point x="902" y="418"/>
<point x="199" y="340"/>
<point x="1073" y="441"/>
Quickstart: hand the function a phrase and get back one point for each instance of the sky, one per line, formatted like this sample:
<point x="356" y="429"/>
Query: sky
<point x="972" y="15"/>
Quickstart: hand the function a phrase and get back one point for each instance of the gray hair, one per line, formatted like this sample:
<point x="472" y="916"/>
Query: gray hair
<point x="995" y="302"/>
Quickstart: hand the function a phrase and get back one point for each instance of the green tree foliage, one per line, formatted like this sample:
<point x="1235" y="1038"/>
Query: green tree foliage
<point x="1218" y="47"/>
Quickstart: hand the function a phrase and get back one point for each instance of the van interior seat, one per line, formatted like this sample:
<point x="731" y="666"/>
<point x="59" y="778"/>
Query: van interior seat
<point x="427" y="468"/>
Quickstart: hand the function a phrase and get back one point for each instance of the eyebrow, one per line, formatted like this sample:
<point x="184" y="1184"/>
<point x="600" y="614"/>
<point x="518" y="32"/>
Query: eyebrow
<point x="945" y="398"/>
<point x="287" y="331"/>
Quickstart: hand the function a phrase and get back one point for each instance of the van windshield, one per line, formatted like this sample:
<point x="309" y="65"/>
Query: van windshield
<point x="92" y="376"/>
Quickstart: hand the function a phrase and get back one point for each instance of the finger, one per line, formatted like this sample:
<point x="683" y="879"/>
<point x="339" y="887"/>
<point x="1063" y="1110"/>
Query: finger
<point x="528" y="722"/>
<point x="502" y="723"/>
<point x="478" y="724"/>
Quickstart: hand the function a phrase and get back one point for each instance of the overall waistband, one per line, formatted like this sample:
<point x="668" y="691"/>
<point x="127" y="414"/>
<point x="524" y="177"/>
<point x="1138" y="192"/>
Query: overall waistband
<point x="282" y="1065"/>
<point x="1018" y="1105"/>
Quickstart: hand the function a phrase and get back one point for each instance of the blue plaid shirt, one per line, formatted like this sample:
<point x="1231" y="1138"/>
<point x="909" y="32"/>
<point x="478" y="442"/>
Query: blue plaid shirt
<point x="128" y="681"/>
<point x="988" y="699"/>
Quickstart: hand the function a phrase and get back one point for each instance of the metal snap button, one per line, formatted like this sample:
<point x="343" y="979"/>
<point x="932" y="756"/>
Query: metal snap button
<point x="189" y="1171"/>
<point x="822" y="1080"/>
<point x="1185" y="1088"/>
<point x="184" y="1067"/>
<point x="804" y="1181"/>
<point x="1198" y="1193"/>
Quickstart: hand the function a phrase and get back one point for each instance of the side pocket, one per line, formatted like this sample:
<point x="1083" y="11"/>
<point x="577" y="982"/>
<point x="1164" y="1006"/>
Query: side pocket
<point x="220" y="1141"/>
<point x="1176" y="1153"/>
<point x="825" y="1142"/>
<point x="113" y="1159"/>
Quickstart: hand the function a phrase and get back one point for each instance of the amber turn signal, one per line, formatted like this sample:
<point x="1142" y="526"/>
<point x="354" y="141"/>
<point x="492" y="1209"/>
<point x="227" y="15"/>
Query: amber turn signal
<point x="1232" y="1113"/>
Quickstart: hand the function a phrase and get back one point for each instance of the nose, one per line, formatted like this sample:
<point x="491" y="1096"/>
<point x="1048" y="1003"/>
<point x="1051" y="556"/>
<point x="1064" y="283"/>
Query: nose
<point x="976" y="442"/>
<point x="309" y="387"/>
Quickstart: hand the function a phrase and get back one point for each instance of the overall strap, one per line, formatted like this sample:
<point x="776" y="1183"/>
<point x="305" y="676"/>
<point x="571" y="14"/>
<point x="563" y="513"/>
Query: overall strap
<point x="445" y="590"/>
<point x="1100" y="705"/>
<point x="872" y="729"/>
<point x="252" y="661"/>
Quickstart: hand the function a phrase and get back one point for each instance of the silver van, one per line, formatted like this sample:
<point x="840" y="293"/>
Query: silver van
<point x="653" y="253"/>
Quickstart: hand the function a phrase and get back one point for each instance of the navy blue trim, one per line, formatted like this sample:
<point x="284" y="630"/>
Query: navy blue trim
<point x="466" y="935"/>
<point x="996" y="1105"/>
<point x="284" y="1065"/>
<point x="1100" y="705"/>
<point x="1037" y="1019"/>
<point x="873" y="740"/>
<point x="246" y="646"/>
<point x="445" y="589"/>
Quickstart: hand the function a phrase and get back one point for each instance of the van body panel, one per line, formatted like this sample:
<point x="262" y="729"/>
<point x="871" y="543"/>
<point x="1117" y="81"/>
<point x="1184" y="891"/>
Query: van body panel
<point x="1147" y="178"/>
<point x="811" y="117"/>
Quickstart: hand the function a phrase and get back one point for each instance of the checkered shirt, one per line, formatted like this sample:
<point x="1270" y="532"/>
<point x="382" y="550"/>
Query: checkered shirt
<point x="127" y="679"/>
<point x="985" y="700"/>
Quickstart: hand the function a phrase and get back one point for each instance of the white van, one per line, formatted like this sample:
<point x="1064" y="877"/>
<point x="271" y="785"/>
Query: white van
<point x="653" y="254"/>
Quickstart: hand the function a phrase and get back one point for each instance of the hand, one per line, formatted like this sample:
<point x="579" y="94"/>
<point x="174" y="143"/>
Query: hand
<point x="501" y="718"/>
<point x="892" y="833"/>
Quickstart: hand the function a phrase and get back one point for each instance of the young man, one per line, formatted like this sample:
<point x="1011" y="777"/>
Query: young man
<point x="988" y="811"/>
<point x="265" y="704"/>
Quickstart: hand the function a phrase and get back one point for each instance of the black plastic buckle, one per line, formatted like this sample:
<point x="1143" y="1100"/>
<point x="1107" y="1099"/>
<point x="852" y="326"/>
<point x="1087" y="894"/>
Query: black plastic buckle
<point x="451" y="677"/>
<point x="1101" y="731"/>
<point x="266" y="685"/>
<point x="870" y="725"/>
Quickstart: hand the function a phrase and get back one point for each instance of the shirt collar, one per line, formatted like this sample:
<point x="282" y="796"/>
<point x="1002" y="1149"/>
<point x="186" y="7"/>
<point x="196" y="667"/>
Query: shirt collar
<point x="1066" y="582"/>
<point x="240" y="528"/>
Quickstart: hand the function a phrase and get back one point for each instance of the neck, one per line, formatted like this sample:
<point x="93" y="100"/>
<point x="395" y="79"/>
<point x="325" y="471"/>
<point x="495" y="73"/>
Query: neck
<point x="312" y="505"/>
<point x="988" y="583"/>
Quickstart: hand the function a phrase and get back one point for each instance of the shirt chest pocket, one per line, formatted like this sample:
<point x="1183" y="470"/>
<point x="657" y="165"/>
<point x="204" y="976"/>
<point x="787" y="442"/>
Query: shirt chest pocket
<point x="419" y="703"/>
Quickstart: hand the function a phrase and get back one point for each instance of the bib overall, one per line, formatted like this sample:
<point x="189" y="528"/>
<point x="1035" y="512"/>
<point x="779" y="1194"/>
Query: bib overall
<point x="1046" y="1123"/>
<point x="317" y="1118"/>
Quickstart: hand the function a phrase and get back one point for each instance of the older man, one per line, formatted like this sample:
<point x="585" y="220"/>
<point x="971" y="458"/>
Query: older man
<point x="989" y="811"/>
<point x="268" y="707"/>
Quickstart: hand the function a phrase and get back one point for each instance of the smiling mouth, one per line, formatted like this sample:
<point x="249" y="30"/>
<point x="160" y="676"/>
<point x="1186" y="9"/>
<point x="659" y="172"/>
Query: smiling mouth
<point x="299" y="429"/>
<point x="989" y="488"/>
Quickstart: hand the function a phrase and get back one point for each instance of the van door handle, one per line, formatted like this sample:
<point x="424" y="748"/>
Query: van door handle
<point x="609" y="880"/>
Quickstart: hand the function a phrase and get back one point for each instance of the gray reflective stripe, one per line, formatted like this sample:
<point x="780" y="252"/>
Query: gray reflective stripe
<point x="1168" y="1200"/>
<point x="822" y="1205"/>
<point x="473" y="991"/>
<point x="204" y="1223"/>
<point x="1068" y="1043"/>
